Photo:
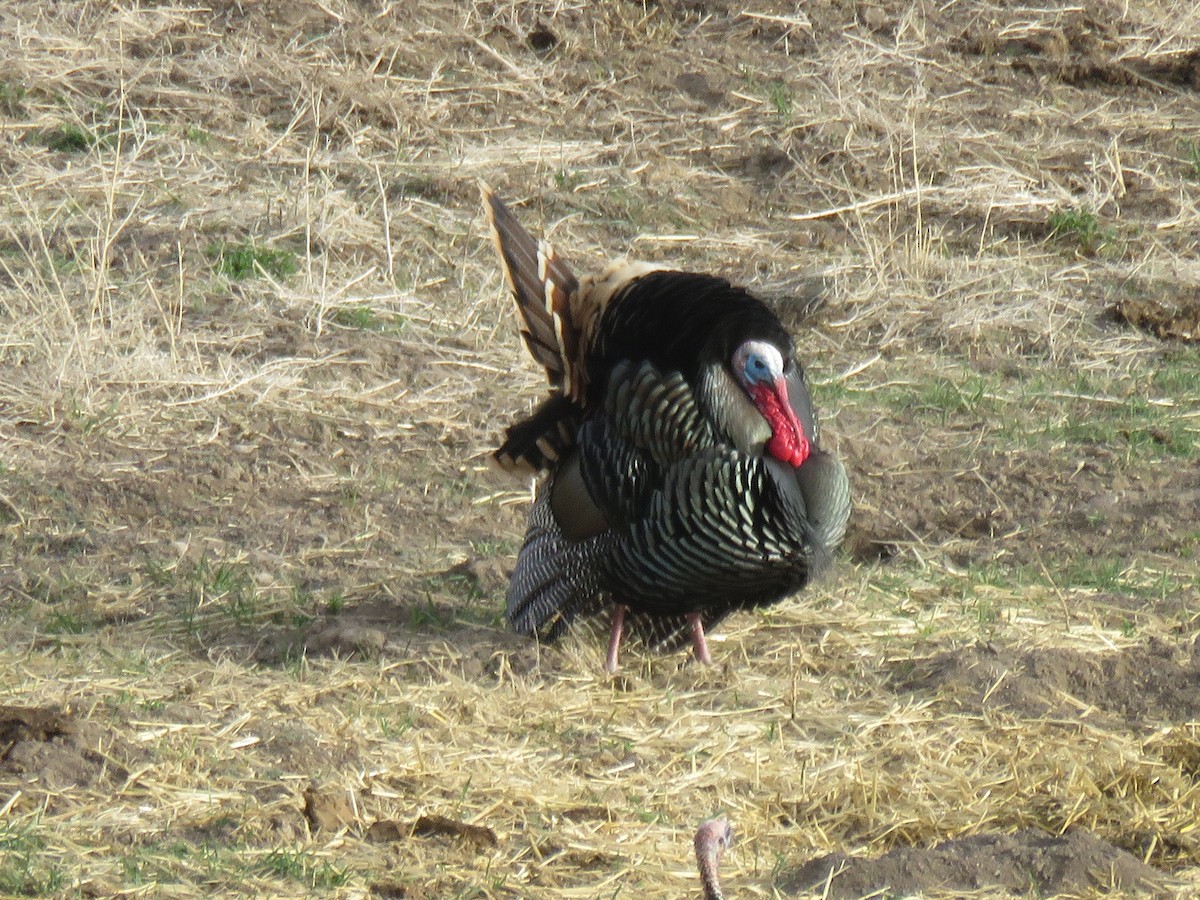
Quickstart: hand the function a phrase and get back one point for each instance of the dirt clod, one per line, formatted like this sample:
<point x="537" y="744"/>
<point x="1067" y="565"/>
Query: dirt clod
<point x="481" y="836"/>
<point x="387" y="831"/>
<point x="328" y="810"/>
<point x="336" y="635"/>
<point x="1175" y="318"/>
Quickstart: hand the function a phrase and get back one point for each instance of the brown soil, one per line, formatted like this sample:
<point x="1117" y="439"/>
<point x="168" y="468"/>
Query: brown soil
<point x="1024" y="863"/>
<point x="1147" y="686"/>
<point x="47" y="751"/>
<point x="1015" y="508"/>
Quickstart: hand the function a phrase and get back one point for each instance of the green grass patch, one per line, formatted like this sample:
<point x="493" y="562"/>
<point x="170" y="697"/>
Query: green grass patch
<point x="68" y="138"/>
<point x="198" y="136"/>
<point x="1178" y="375"/>
<point x="73" y="137"/>
<point x="12" y="99"/>
<point x="336" y="603"/>
<point x="1136" y="426"/>
<point x="1191" y="160"/>
<point x="1105" y="574"/>
<point x="829" y="394"/>
<point x="294" y="865"/>
<point x="486" y="548"/>
<point x="238" y="262"/>
<point x="356" y="317"/>
<point x="1189" y="544"/>
<point x="1141" y="416"/>
<point x="68" y="622"/>
<point x="1081" y="227"/>
<point x="944" y="399"/>
<point x="432" y="615"/>
<point x="464" y="586"/>
<point x="176" y="861"/>
<point x="454" y="598"/>
<point x="1006" y="576"/>
<point x="947" y="398"/>
<point x="1098" y="573"/>
<point x="781" y="98"/>
<point x="568" y="181"/>
<point x="216" y="596"/>
<point x="231" y="586"/>
<point x="394" y="726"/>
<point x="369" y="319"/>
<point x="778" y="94"/>
<point x="26" y="870"/>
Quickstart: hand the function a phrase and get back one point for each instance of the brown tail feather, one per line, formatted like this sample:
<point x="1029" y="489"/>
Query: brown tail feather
<point x="542" y="284"/>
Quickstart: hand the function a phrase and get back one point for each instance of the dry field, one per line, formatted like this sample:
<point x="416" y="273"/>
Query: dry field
<point x="255" y="351"/>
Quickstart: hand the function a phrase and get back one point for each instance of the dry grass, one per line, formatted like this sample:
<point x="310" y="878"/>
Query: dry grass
<point x="201" y="471"/>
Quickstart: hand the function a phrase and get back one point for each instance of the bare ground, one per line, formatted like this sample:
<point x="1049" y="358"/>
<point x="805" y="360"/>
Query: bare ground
<point x="253" y="560"/>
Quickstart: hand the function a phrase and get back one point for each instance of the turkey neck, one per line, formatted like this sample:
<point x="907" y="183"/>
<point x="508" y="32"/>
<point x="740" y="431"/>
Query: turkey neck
<point x="732" y="410"/>
<point x="708" y="879"/>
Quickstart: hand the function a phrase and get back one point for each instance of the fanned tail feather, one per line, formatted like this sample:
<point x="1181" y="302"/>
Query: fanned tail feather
<point x="542" y="285"/>
<point x="538" y="442"/>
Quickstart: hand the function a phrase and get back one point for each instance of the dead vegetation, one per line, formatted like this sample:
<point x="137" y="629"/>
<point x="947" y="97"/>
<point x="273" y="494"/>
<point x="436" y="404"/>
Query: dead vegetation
<point x="256" y="350"/>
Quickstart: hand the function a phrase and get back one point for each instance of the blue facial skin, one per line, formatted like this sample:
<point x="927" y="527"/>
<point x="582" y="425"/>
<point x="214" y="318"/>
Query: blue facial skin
<point x="758" y="370"/>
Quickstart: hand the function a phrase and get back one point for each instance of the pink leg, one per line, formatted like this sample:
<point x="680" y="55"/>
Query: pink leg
<point x="614" y="641"/>
<point x="699" y="644"/>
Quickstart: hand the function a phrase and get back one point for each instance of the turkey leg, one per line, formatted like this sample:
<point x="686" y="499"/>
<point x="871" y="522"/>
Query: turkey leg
<point x="699" y="642"/>
<point x="614" y="640"/>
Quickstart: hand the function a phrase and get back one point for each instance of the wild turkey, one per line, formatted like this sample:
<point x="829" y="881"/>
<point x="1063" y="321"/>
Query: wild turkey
<point x="686" y="480"/>
<point x="713" y="838"/>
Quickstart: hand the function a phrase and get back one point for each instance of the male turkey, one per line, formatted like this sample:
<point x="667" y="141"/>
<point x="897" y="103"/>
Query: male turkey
<point x="686" y="480"/>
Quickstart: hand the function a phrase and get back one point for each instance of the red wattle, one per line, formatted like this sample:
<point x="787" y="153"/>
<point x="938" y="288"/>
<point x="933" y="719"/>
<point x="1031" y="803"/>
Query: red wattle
<point x="788" y="442"/>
